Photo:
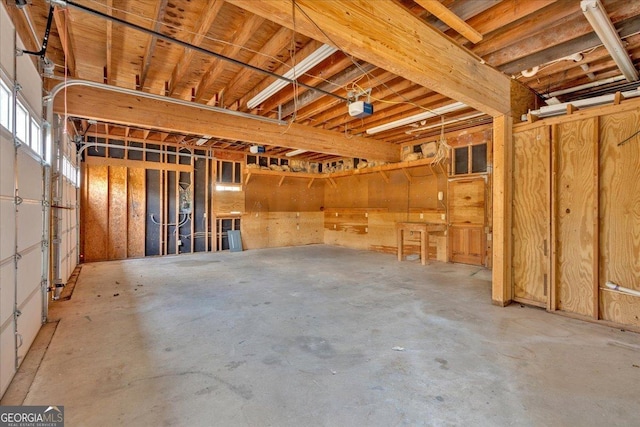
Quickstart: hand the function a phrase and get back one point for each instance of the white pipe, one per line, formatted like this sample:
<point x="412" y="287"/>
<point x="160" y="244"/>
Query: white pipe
<point x="584" y="86"/>
<point x="74" y="82"/>
<point x="616" y="287"/>
<point x="530" y="73"/>
<point x="559" y="109"/>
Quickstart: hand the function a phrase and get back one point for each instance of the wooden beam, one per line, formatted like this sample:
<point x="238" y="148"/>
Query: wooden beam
<point x="201" y="28"/>
<point x="109" y="59"/>
<point x="281" y="180"/>
<point x="451" y="19"/>
<point x="141" y="111"/>
<point x="311" y="182"/>
<point x="151" y="45"/>
<point x="501" y="288"/>
<point x="63" y="25"/>
<point x="390" y="37"/>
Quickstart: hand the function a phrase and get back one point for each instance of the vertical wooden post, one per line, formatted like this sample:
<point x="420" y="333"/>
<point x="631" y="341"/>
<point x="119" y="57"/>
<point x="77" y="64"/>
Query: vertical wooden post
<point x="501" y="289"/>
<point x="596" y="218"/>
<point x="553" y="257"/>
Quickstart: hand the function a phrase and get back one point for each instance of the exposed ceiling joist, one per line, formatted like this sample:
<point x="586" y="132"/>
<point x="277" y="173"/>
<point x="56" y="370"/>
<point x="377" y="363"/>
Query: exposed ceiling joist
<point x="151" y="45"/>
<point x="142" y="111"/>
<point x="451" y="19"/>
<point x="200" y="31"/>
<point x="385" y="34"/>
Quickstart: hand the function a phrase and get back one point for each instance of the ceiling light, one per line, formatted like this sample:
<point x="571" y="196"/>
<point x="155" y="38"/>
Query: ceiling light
<point x="599" y="20"/>
<point x="422" y="116"/>
<point x="435" y="125"/>
<point x="295" y="153"/>
<point x="203" y="140"/>
<point x="302" y="67"/>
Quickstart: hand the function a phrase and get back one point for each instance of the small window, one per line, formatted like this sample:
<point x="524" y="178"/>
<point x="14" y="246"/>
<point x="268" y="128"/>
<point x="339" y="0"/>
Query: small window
<point x="22" y="123"/>
<point x="469" y="159"/>
<point x="461" y="160"/>
<point x="222" y="187"/>
<point x="36" y="137"/>
<point x="6" y="105"/>
<point x="228" y="172"/>
<point x="251" y="160"/>
<point x="479" y="158"/>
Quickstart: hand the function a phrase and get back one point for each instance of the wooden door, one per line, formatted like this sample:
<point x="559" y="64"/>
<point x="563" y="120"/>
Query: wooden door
<point x="467" y="244"/>
<point x="467" y="220"/>
<point x="531" y="216"/>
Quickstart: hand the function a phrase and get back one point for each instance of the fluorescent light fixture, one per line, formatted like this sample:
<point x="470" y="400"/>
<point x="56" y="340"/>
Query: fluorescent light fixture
<point x="302" y="67"/>
<point x="435" y="125"/>
<point x="295" y="153"/>
<point x="422" y="116"/>
<point x="599" y="20"/>
<point x="203" y="140"/>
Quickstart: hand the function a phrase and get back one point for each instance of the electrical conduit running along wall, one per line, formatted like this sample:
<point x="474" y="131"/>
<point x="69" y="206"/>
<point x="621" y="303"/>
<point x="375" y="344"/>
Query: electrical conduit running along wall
<point x="23" y="215"/>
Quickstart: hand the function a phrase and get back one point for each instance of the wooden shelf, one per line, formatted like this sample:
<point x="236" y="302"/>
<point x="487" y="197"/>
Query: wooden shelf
<point x="375" y="169"/>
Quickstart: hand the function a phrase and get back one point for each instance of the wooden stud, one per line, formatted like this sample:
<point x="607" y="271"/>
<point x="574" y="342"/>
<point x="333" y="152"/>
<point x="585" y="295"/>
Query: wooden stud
<point x="532" y="118"/>
<point x="571" y="109"/>
<point x="553" y="284"/>
<point x="596" y="219"/>
<point x="618" y="98"/>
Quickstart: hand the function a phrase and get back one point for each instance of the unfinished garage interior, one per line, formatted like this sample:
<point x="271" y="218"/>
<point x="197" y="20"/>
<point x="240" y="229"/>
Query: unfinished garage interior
<point x="309" y="212"/>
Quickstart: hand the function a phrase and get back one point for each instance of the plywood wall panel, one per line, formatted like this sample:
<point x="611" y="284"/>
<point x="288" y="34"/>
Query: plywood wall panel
<point x="576" y="196"/>
<point x="620" y="308"/>
<point x="272" y="194"/>
<point x="467" y="201"/>
<point x="136" y="196"/>
<point x="350" y="192"/>
<point x="392" y="195"/>
<point x="620" y="215"/>
<point x="225" y="202"/>
<point x="531" y="214"/>
<point x="277" y="229"/>
<point x="117" y="237"/>
<point x="96" y="213"/>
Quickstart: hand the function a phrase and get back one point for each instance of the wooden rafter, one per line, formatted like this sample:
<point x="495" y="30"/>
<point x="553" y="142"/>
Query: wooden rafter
<point x="404" y="46"/>
<point x="451" y="19"/>
<point x="247" y="30"/>
<point x="279" y="41"/>
<point x="63" y="27"/>
<point x="200" y="30"/>
<point x="151" y="45"/>
<point x="104" y="105"/>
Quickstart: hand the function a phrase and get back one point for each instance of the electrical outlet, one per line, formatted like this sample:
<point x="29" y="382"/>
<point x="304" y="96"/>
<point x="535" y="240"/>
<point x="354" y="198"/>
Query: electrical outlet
<point x="443" y="216"/>
<point x="297" y="226"/>
<point x="179" y="242"/>
<point x="421" y="215"/>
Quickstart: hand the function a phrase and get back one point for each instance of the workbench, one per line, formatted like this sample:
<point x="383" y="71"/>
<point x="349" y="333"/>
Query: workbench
<point x="424" y="228"/>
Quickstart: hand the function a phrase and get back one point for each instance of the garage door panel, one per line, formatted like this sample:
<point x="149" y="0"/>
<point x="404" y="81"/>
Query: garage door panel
<point x="29" y="225"/>
<point x="29" y="322"/>
<point x="7" y="229"/>
<point x="29" y="274"/>
<point x="7" y="356"/>
<point x="7" y="275"/>
<point x="29" y="177"/>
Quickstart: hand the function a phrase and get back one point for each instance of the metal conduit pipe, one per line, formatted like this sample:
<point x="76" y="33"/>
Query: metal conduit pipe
<point x="75" y="82"/>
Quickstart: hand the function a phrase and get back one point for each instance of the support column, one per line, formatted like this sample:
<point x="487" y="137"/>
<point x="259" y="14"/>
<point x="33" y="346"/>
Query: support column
<point x="501" y="289"/>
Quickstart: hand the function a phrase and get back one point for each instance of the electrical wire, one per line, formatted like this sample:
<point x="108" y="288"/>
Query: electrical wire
<point x="628" y="139"/>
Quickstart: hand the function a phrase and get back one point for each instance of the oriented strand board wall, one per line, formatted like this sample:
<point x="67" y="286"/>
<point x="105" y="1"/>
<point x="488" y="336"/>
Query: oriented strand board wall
<point x="576" y="195"/>
<point x="620" y="215"/>
<point x="95" y="215"/>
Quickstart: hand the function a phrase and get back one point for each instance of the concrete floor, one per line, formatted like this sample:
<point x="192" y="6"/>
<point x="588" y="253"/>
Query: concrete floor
<point x="305" y="337"/>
